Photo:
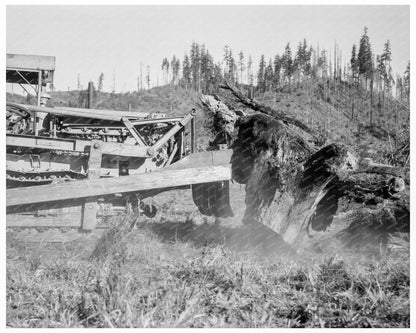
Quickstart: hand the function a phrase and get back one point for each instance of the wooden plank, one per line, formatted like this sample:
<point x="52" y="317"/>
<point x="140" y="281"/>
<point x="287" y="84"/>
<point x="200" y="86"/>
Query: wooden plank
<point x="129" y="114"/>
<point x="90" y="207"/>
<point x="103" y="186"/>
<point x="85" y="113"/>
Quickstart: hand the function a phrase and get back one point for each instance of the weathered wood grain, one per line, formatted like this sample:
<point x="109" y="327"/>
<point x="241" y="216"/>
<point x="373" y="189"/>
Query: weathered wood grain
<point x="103" y="186"/>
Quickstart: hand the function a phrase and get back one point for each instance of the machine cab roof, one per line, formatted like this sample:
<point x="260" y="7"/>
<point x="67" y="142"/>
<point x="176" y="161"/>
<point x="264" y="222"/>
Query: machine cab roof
<point x="29" y="69"/>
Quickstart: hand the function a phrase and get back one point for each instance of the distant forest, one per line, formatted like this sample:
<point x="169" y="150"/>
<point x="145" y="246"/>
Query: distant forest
<point x="363" y="68"/>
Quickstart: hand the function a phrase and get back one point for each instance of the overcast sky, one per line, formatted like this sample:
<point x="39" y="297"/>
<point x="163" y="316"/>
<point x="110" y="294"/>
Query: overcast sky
<point x="114" y="39"/>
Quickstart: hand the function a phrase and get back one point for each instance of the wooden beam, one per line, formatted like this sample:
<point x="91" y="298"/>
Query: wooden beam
<point x="90" y="207"/>
<point x="107" y="186"/>
<point x="193" y="135"/>
<point x="112" y="115"/>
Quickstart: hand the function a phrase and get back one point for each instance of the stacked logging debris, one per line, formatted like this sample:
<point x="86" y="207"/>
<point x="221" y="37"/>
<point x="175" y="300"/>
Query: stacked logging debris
<point x="305" y="191"/>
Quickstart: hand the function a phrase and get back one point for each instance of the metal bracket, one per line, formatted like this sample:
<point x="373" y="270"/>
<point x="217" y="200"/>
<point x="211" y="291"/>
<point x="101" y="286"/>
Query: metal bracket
<point x="133" y="131"/>
<point x="34" y="161"/>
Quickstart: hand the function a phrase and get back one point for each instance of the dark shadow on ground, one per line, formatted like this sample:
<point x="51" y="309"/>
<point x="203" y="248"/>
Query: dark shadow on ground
<point x="243" y="238"/>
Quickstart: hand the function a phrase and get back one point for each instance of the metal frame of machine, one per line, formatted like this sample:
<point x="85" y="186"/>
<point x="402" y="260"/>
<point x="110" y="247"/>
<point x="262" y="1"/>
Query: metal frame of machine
<point x="96" y="136"/>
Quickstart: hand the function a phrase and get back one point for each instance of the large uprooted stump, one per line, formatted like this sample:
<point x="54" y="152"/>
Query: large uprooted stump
<point x="303" y="192"/>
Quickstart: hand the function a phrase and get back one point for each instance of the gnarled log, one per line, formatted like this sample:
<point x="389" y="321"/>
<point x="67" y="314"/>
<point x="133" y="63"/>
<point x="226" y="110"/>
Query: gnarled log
<point x="223" y="121"/>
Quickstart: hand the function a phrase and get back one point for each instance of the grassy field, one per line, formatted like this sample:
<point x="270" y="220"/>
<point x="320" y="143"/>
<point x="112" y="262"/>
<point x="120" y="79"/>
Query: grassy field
<point x="183" y="270"/>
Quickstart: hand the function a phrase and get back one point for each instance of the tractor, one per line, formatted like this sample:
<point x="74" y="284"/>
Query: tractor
<point x="79" y="167"/>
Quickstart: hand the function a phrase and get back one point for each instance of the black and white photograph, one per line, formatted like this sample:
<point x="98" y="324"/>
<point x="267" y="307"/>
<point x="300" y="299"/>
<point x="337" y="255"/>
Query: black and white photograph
<point x="207" y="165"/>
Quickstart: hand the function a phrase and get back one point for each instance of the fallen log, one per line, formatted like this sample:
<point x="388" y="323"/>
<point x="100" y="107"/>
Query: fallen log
<point x="256" y="106"/>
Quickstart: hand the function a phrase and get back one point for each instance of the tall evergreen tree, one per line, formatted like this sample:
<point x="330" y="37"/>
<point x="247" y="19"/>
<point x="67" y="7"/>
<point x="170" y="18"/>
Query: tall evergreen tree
<point x="268" y="76"/>
<point x="250" y="77"/>
<point x="277" y="68"/>
<point x="302" y="61"/>
<point x="406" y="82"/>
<point x="186" y="72"/>
<point x="384" y="67"/>
<point x="148" y="77"/>
<point x="354" y="65"/>
<point x="165" y="69"/>
<point x="365" y="57"/>
<point x="261" y="84"/>
<point x="175" y="66"/>
<point x="322" y="64"/>
<point x="207" y="70"/>
<point x="195" y="66"/>
<point x="216" y="78"/>
<point x="399" y="88"/>
<point x="203" y="67"/>
<point x="100" y="82"/>
<point x="287" y="63"/>
<point x="232" y="66"/>
<point x="226" y="60"/>
<point x="241" y="66"/>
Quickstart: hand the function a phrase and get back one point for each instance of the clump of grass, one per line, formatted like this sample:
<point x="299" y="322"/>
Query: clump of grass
<point x="333" y="276"/>
<point x="113" y="241"/>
